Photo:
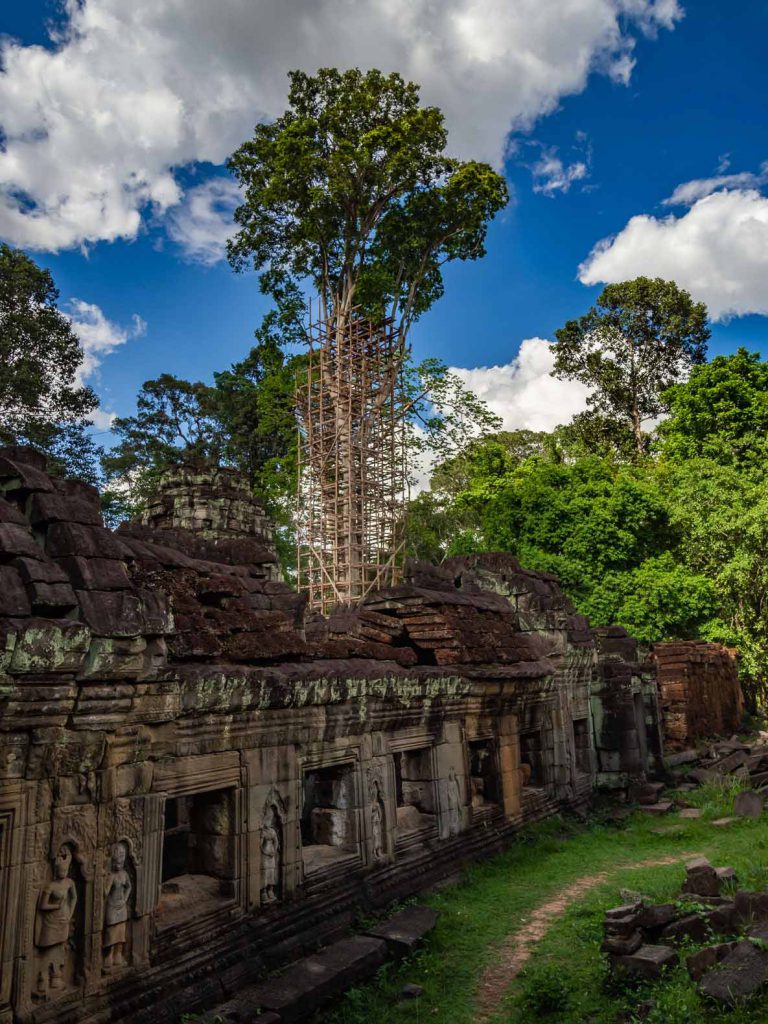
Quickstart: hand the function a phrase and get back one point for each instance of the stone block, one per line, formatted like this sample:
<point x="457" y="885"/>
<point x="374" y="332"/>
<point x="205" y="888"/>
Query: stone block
<point x="16" y="542"/>
<point x="307" y="984"/>
<point x="657" y="915"/>
<point x="73" y="539"/>
<point x="403" y="932"/>
<point x="647" y="963"/>
<point x="751" y="906"/>
<point x="699" y="963"/>
<point x="111" y="612"/>
<point x="95" y="573"/>
<point x="701" y="878"/>
<point x="14" y="601"/>
<point x="662" y="807"/>
<point x="57" y="508"/>
<point x="690" y="813"/>
<point x="46" y="646"/>
<point x="693" y="927"/>
<point x="740" y="974"/>
<point x="748" y="804"/>
<point x="622" y="946"/>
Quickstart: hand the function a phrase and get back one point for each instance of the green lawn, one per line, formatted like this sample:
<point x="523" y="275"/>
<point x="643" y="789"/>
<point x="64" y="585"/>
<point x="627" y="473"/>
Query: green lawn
<point x="565" y="981"/>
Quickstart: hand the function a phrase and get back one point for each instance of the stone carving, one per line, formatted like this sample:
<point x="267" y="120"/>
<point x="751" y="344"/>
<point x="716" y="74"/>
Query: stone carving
<point x="117" y="893"/>
<point x="55" y="910"/>
<point x="453" y="801"/>
<point x="271" y="855"/>
<point x="377" y="822"/>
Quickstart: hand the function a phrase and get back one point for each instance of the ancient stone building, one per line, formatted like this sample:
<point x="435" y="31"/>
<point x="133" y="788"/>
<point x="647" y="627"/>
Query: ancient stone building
<point x="198" y="783"/>
<point x="699" y="691"/>
<point x="626" y="719"/>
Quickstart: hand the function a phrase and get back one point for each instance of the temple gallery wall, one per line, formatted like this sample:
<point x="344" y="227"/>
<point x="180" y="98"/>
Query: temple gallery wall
<point x="200" y="781"/>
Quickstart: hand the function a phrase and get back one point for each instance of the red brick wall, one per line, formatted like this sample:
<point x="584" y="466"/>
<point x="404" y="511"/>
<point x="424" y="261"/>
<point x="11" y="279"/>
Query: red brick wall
<point x="699" y="690"/>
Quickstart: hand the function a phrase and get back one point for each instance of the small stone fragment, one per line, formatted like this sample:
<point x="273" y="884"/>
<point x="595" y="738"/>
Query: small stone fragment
<point x="411" y="991"/>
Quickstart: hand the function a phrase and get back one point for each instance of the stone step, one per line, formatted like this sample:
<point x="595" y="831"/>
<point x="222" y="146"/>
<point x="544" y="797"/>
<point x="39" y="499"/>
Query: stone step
<point x="403" y="932"/>
<point x="306" y="984"/>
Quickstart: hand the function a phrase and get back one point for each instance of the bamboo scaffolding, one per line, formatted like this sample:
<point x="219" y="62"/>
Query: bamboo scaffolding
<point x="352" y="482"/>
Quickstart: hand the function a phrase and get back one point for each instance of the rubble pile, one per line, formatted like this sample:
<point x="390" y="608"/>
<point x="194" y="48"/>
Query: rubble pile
<point x="730" y="925"/>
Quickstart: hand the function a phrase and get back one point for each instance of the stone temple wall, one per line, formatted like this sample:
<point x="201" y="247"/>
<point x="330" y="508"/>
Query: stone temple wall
<point x="198" y="782"/>
<point x="699" y="691"/>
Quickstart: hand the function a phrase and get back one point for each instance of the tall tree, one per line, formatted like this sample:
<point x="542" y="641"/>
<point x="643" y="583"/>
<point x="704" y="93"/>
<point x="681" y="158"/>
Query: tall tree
<point x="639" y="339"/>
<point x="41" y="400"/>
<point x="351" y="190"/>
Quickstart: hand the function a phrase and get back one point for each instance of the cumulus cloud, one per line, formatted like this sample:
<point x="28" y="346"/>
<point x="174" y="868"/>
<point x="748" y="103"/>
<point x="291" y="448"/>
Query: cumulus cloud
<point x="718" y="250"/>
<point x="202" y="223"/>
<point x="691" y="191"/>
<point x="99" y="337"/>
<point x="523" y="393"/>
<point x="93" y="127"/>
<point x="551" y="175"/>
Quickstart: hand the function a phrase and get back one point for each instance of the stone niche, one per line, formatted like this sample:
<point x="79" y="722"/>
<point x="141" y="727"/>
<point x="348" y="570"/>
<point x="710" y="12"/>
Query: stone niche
<point x="197" y="780"/>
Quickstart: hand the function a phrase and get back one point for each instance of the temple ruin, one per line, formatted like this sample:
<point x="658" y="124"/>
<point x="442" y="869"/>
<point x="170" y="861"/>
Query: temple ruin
<point x="202" y="781"/>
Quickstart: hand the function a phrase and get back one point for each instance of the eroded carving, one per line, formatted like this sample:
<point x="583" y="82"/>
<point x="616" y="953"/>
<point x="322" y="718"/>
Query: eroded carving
<point x="56" y="906"/>
<point x="271" y="855"/>
<point x="117" y="894"/>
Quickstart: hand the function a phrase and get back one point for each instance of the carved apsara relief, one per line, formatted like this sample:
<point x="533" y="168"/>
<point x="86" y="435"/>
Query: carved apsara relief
<point x="55" y="921"/>
<point x="272" y="848"/>
<point x="118" y="889"/>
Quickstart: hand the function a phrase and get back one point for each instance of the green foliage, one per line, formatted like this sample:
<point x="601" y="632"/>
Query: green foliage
<point x="566" y="980"/>
<point x="350" y="190"/>
<point x="41" y="402"/>
<point x="720" y="413"/>
<point x="630" y="348"/>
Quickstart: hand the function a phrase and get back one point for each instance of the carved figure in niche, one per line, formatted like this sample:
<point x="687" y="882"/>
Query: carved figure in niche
<point x="117" y="893"/>
<point x="453" y="793"/>
<point x="271" y="856"/>
<point x="55" y="910"/>
<point x="86" y="780"/>
<point x="377" y="822"/>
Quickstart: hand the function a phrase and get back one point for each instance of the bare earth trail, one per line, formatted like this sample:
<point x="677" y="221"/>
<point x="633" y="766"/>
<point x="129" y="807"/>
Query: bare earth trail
<point x="516" y="949"/>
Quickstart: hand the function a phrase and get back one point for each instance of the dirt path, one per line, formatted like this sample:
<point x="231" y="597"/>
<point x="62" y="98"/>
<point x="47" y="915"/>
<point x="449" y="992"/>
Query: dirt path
<point x="517" y="948"/>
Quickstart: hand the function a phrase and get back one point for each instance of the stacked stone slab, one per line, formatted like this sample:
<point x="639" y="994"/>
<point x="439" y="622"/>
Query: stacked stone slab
<point x="164" y="701"/>
<point x="699" y="691"/>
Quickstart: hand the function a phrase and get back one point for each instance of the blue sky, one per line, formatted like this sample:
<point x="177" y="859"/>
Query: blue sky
<point x="650" y="96"/>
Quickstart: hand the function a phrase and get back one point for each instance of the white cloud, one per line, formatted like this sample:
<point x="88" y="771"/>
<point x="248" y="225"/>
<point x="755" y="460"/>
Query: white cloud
<point x="691" y="191"/>
<point x="99" y="337"/>
<point x="93" y="128"/>
<point x="551" y="175"/>
<point x="523" y="393"/>
<point x="202" y="223"/>
<point x="717" y="250"/>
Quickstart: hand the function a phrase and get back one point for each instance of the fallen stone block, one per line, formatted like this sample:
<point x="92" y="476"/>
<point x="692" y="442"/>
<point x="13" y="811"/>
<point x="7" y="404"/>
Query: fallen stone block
<point x="647" y="963"/>
<point x="622" y="946"/>
<point x="693" y="927"/>
<point x="701" y="878"/>
<point x="690" y="812"/>
<point x="751" y="906"/>
<point x="405" y="930"/>
<point x="748" y="804"/>
<point x="739" y="975"/>
<point x="699" y="963"/>
<point x="723" y="822"/>
<point x="662" y="807"/>
<point x="305" y="985"/>
<point x="657" y="916"/>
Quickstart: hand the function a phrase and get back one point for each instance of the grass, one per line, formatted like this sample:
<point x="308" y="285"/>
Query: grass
<point x="566" y="980"/>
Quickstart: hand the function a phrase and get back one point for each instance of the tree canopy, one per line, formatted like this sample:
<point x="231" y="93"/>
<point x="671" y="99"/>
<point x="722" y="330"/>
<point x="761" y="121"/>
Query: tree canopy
<point x="42" y="401"/>
<point x="638" y="340"/>
<point x="350" y="189"/>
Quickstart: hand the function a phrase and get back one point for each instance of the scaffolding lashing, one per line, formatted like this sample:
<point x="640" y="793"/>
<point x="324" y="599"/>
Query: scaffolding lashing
<point x="352" y="484"/>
